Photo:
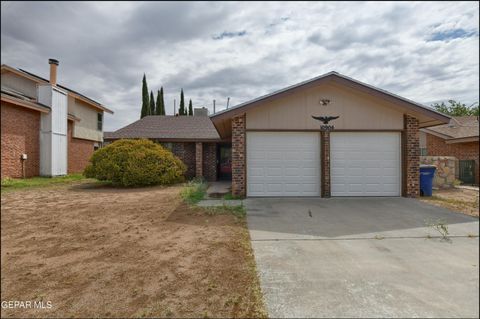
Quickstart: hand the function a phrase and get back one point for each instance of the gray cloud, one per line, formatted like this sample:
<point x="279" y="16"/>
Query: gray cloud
<point x="105" y="47"/>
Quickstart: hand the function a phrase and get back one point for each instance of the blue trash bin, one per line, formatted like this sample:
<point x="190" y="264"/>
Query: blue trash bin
<point x="427" y="172"/>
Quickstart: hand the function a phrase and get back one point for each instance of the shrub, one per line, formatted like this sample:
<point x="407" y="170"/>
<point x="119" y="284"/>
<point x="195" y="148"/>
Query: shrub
<point x="135" y="163"/>
<point x="194" y="191"/>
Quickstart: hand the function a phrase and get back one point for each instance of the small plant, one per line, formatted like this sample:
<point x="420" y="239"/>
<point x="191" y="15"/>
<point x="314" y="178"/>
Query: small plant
<point x="237" y="211"/>
<point x="379" y="237"/>
<point x="194" y="192"/>
<point x="440" y="226"/>
<point x="230" y="196"/>
<point x="457" y="182"/>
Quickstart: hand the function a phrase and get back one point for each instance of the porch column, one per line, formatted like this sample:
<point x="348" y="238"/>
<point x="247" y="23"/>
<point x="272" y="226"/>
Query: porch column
<point x="411" y="151"/>
<point x="238" y="156"/>
<point x="198" y="159"/>
<point x="325" y="163"/>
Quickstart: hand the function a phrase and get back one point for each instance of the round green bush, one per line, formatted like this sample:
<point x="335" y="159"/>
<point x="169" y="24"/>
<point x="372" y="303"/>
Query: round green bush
<point x="135" y="163"/>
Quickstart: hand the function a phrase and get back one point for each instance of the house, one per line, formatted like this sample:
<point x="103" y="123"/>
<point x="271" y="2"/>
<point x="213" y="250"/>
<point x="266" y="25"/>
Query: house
<point x="46" y="129"/>
<point x="188" y="137"/>
<point x="459" y="139"/>
<point x="368" y="144"/>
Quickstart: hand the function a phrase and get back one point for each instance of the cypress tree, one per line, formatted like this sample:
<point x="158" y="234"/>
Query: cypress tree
<point x="181" y="109"/>
<point x="190" y="108"/>
<point x="160" y="109"/>
<point x="145" y="99"/>
<point x="152" y="104"/>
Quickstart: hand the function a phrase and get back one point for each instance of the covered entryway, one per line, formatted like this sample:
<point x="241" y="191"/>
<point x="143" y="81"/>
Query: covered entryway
<point x="283" y="164"/>
<point x="365" y="163"/>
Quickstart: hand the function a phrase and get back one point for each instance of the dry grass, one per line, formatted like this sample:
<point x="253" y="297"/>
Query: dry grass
<point x="103" y="252"/>
<point x="460" y="200"/>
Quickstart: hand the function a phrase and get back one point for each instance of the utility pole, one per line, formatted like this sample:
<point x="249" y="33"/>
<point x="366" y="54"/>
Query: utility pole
<point x="174" y="107"/>
<point x="228" y="102"/>
<point x="213" y="106"/>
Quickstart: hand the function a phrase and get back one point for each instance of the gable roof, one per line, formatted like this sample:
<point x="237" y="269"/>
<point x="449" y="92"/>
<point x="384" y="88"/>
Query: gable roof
<point x="337" y="78"/>
<point x="169" y="128"/>
<point x="39" y="79"/>
<point x="460" y="127"/>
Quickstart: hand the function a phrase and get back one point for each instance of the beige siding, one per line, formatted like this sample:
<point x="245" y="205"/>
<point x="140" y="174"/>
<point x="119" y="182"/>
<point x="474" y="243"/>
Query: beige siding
<point x="86" y="128"/>
<point x="357" y="111"/>
<point x="20" y="84"/>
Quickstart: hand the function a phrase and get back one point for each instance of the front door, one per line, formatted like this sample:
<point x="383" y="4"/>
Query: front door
<point x="224" y="160"/>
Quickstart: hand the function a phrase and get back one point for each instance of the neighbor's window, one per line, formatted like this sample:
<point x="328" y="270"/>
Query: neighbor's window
<point x="99" y="121"/>
<point x="423" y="151"/>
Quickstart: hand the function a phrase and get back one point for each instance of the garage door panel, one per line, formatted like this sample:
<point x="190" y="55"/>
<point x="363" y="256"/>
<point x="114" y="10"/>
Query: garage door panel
<point x="289" y="164"/>
<point x="365" y="164"/>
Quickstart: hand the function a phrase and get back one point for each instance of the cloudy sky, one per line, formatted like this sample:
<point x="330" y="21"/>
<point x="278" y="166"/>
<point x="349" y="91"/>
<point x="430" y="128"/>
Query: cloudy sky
<point x="423" y="51"/>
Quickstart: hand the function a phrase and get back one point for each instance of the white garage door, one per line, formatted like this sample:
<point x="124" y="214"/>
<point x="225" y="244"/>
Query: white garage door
<point x="283" y="164"/>
<point x="365" y="164"/>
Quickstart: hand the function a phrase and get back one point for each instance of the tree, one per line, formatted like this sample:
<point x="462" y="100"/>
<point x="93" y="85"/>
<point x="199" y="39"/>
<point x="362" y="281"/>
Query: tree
<point x="152" y="104"/>
<point x="145" y="99"/>
<point x="160" y="108"/>
<point x="190" y="108"/>
<point x="456" y="108"/>
<point x="181" y="108"/>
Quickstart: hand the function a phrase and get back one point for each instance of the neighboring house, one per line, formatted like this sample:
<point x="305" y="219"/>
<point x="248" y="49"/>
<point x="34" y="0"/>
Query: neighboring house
<point x="46" y="129"/>
<point x="271" y="146"/>
<point x="458" y="138"/>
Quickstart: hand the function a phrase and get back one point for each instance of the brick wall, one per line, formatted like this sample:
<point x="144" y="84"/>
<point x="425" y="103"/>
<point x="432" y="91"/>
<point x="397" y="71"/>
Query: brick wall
<point x="436" y="146"/>
<point x="411" y="157"/>
<point x="20" y="129"/>
<point x="186" y="153"/>
<point x="210" y="161"/>
<point x="325" y="163"/>
<point x="79" y="152"/>
<point x="238" y="156"/>
<point x="198" y="159"/>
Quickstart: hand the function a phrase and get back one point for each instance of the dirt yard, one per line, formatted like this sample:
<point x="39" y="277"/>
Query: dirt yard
<point x="101" y="252"/>
<point x="460" y="200"/>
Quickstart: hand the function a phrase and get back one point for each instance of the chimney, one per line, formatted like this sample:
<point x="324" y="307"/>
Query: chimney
<point x="200" y="111"/>
<point x="53" y="71"/>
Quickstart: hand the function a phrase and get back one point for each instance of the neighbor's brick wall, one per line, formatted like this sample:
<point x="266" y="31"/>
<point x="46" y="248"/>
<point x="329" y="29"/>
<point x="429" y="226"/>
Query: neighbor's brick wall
<point x="186" y="153"/>
<point x="436" y="146"/>
<point x="210" y="161"/>
<point x="79" y="152"/>
<point x="238" y="156"/>
<point x="412" y="157"/>
<point x="325" y="163"/>
<point x="20" y="134"/>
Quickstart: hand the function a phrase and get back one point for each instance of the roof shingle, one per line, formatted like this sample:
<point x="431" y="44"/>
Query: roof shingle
<point x="459" y="127"/>
<point x="168" y="128"/>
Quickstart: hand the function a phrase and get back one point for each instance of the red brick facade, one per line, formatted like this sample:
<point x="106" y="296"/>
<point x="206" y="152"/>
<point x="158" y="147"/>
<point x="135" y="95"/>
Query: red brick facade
<point x="238" y="156"/>
<point x="210" y="161"/>
<point x="20" y="134"/>
<point x="186" y="153"/>
<point x="198" y="159"/>
<point x="411" y="157"/>
<point x="79" y="152"/>
<point x="436" y="146"/>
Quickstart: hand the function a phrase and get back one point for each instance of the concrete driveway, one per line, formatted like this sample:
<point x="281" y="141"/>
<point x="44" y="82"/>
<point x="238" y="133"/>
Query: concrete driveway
<point x="363" y="257"/>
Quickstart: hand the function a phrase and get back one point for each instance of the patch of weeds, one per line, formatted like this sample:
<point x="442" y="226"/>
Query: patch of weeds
<point x="229" y="196"/>
<point x="237" y="211"/>
<point x="19" y="183"/>
<point x="379" y="237"/>
<point x="441" y="227"/>
<point x="194" y="191"/>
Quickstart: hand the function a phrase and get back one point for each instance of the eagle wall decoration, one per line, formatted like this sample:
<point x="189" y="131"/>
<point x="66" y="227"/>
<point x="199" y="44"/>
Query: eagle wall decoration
<point x="325" y="119"/>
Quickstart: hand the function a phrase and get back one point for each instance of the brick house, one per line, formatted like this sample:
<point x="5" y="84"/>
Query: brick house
<point x="188" y="137"/>
<point x="46" y="129"/>
<point x="458" y="138"/>
<point x="271" y="146"/>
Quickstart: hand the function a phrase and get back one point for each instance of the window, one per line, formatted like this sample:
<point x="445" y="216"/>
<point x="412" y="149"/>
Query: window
<point x="99" y="121"/>
<point x="423" y="151"/>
